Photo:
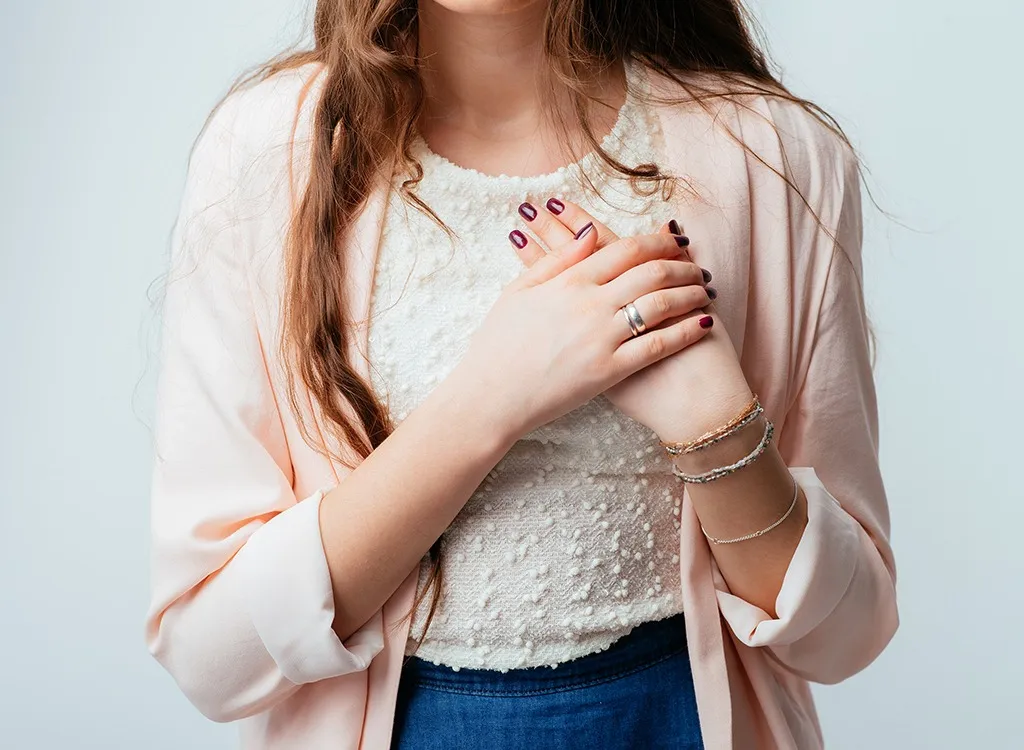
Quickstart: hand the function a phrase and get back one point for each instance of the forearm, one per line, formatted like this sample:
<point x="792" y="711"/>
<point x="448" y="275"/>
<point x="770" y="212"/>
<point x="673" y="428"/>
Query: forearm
<point x="746" y="501"/>
<point x="378" y="523"/>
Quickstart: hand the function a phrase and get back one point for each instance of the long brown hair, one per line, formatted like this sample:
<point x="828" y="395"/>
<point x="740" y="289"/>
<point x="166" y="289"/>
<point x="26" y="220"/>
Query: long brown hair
<point x="370" y="98"/>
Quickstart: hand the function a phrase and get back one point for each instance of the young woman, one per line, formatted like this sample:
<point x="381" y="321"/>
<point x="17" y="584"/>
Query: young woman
<point x="458" y="441"/>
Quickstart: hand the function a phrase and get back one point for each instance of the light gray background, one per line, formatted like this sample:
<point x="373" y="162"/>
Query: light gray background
<point x="99" y="103"/>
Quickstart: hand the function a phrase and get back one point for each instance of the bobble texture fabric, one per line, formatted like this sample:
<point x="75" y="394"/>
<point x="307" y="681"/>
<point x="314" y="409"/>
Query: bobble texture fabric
<point x="573" y="538"/>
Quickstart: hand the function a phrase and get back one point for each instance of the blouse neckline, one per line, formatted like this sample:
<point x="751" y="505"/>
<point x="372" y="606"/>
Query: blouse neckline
<point x="589" y="164"/>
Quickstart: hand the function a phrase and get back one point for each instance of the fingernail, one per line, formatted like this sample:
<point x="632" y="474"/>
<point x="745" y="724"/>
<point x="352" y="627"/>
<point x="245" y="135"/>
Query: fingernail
<point x="527" y="211"/>
<point x="682" y="240"/>
<point x="706" y="274"/>
<point x="712" y="292"/>
<point x="706" y="322"/>
<point x="584" y="229"/>
<point x="555" y="206"/>
<point x="518" y="238"/>
<point x="673" y="227"/>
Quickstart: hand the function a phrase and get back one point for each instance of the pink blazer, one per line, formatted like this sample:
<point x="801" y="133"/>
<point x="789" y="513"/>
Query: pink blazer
<point x="242" y="602"/>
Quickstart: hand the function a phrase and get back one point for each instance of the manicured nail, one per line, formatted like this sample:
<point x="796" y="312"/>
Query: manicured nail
<point x="712" y="292"/>
<point x="518" y="238"/>
<point x="682" y="240"/>
<point x="555" y="206"/>
<point x="673" y="227"/>
<point x="584" y="229"/>
<point x="706" y="322"/>
<point x="527" y="211"/>
<point x="706" y="274"/>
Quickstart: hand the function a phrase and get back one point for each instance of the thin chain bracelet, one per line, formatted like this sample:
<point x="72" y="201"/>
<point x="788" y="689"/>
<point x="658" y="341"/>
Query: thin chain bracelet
<point x="751" y="412"/>
<point x="724" y="471"/>
<point x="762" y="532"/>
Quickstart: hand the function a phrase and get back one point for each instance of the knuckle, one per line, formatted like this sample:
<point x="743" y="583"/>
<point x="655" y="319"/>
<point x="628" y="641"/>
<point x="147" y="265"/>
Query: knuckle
<point x="662" y="303"/>
<point x="655" y="345"/>
<point x="658" y="271"/>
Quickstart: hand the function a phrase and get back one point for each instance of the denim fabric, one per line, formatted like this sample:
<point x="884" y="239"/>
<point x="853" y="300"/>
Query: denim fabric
<point x="637" y="695"/>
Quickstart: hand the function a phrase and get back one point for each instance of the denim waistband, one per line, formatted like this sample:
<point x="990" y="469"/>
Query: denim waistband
<point x="644" y="646"/>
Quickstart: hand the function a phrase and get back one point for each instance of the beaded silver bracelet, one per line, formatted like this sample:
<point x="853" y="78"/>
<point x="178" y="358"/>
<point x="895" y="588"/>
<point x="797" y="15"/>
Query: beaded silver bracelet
<point x="724" y="471"/>
<point x="762" y="532"/>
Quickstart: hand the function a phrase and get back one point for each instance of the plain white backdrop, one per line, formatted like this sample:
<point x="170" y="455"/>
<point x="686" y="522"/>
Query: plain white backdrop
<point x="99" y="103"/>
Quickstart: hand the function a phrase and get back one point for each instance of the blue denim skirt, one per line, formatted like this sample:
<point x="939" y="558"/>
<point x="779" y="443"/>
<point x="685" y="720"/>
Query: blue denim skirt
<point x="637" y="695"/>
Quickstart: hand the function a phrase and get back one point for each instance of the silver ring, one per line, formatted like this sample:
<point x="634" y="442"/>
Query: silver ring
<point x="634" y="319"/>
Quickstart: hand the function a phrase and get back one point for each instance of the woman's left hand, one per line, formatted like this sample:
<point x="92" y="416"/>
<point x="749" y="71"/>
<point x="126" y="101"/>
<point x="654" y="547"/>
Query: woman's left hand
<point x="680" y="397"/>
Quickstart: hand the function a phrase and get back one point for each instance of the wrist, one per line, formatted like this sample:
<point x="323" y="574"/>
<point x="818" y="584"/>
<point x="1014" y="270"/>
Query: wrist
<point x="724" y="452"/>
<point x="472" y="406"/>
<point x="719" y="404"/>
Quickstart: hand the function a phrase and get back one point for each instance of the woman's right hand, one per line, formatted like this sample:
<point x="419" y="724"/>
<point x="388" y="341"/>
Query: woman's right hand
<point x="556" y="337"/>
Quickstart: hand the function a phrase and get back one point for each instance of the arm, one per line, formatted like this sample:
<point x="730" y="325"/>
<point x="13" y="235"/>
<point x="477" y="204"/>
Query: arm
<point x="242" y="601"/>
<point x="819" y="590"/>
<point x="257" y="591"/>
<point x="434" y="461"/>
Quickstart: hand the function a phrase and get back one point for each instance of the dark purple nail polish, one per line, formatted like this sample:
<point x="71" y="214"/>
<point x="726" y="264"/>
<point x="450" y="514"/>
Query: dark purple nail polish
<point x="706" y="274"/>
<point x="682" y="240"/>
<point x="584" y="229"/>
<point x="518" y="238"/>
<point x="527" y="211"/>
<point x="555" y="206"/>
<point x="706" y="322"/>
<point x="673" y="227"/>
<point x="712" y="292"/>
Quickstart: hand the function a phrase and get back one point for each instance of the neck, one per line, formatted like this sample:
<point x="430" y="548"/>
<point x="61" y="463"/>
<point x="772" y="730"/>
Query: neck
<point x="486" y="82"/>
<point x="482" y="69"/>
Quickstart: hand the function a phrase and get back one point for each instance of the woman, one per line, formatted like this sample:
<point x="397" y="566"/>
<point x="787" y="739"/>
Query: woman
<point x="442" y="352"/>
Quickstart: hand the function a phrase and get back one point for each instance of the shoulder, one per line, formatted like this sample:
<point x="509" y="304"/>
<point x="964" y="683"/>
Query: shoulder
<point x="770" y="132"/>
<point x="259" y="121"/>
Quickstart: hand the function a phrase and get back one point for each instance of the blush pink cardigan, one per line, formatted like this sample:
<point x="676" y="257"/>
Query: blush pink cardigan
<point x="242" y="601"/>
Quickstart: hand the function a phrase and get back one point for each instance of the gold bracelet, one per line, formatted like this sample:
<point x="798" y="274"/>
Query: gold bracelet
<point x="762" y="532"/>
<point x="752" y="411"/>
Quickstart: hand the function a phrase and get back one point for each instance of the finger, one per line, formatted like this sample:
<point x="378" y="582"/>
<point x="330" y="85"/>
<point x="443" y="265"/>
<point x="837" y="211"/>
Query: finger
<point x="610" y="262"/>
<point x="555" y="235"/>
<point x="661" y="305"/>
<point x="573" y="218"/>
<point x="654" y="274"/>
<point x="640" y="351"/>
<point x="542" y="265"/>
<point x="675" y="227"/>
<point x="528" y="251"/>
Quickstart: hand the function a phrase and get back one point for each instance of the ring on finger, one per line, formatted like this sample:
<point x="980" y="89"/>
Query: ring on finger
<point x="634" y="319"/>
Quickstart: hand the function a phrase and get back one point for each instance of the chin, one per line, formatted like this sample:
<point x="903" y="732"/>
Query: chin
<point x="485" y="6"/>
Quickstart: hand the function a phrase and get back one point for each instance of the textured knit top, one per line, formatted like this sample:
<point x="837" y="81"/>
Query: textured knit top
<point x="572" y="539"/>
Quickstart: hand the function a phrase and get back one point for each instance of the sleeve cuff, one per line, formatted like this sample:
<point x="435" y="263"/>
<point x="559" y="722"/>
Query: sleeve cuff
<point x="286" y="588"/>
<point x="818" y="576"/>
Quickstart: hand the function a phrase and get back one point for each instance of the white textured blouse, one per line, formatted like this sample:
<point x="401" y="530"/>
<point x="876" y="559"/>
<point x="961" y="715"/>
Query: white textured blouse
<point x="573" y="538"/>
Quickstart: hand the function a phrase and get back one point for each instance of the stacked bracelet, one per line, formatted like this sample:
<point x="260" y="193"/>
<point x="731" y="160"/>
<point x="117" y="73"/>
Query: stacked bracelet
<point x="748" y="415"/>
<point x="724" y="471"/>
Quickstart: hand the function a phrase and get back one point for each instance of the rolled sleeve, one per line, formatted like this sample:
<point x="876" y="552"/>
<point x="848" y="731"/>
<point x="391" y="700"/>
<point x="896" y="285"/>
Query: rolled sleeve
<point x="242" y="604"/>
<point x="292" y="606"/>
<point x="818" y="576"/>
